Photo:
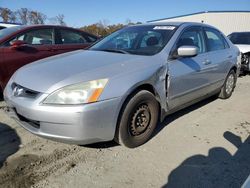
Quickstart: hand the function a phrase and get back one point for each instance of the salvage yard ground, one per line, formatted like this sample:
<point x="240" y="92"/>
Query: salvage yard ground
<point x="205" y="145"/>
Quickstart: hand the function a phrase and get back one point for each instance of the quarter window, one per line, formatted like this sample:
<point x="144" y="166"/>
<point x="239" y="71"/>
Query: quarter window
<point x="214" y="40"/>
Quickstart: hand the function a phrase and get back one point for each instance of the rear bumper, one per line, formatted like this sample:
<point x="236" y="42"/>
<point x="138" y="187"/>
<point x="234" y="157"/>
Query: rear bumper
<point x="79" y="124"/>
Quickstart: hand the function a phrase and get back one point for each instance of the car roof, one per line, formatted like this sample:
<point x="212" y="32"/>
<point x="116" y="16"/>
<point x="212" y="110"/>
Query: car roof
<point x="43" y="25"/>
<point x="55" y="26"/>
<point x="166" y="23"/>
<point x="27" y="27"/>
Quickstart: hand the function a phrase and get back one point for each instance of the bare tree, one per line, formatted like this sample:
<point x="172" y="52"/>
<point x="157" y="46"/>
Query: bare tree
<point x="23" y="15"/>
<point x="5" y="14"/>
<point x="36" y="17"/>
<point x="13" y="17"/>
<point x="58" y="20"/>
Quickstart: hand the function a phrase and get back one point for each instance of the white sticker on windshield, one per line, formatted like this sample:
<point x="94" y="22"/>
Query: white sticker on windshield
<point x="164" y="28"/>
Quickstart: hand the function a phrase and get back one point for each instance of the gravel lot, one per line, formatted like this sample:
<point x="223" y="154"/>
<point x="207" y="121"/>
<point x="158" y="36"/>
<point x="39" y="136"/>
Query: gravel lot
<point x="205" y="145"/>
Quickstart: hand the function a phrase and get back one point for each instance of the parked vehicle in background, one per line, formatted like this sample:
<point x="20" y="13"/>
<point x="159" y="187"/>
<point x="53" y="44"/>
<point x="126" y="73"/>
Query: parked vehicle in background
<point x="24" y="44"/>
<point x="4" y="25"/>
<point x="242" y="41"/>
<point x="121" y="86"/>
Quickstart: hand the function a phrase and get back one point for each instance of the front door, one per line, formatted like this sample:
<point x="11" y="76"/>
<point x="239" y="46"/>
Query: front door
<point x="187" y="75"/>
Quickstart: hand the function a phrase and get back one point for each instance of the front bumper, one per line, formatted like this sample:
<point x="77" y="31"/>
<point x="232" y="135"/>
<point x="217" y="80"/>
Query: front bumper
<point x="245" y="64"/>
<point x="75" y="124"/>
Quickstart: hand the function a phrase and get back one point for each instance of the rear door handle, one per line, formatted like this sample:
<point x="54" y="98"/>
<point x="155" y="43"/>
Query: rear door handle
<point x="207" y="62"/>
<point x="229" y="56"/>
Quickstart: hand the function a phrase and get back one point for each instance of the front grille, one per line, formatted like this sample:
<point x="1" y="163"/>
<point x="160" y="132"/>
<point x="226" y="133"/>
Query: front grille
<point x="245" y="59"/>
<point x="20" y="91"/>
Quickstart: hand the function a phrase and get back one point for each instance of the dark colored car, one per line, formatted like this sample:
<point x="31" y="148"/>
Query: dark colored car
<point x="21" y="45"/>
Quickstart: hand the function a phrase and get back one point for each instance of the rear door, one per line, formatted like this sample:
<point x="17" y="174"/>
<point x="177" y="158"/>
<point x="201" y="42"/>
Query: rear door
<point x="219" y="56"/>
<point x="188" y="76"/>
<point x="39" y="45"/>
<point x="70" y="40"/>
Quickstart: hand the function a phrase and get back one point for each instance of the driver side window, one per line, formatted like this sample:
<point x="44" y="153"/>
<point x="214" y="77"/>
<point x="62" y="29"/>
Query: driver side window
<point x="192" y="37"/>
<point x="36" y="37"/>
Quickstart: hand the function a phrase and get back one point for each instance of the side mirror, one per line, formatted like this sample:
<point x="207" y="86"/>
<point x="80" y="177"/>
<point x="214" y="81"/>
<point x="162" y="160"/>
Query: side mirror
<point x="187" y="51"/>
<point x="17" y="44"/>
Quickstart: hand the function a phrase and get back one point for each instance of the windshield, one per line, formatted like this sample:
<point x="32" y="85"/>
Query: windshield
<point x="240" y="38"/>
<point x="139" y="40"/>
<point x="7" y="31"/>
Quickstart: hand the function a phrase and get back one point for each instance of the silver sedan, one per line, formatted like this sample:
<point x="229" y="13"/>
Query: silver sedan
<point x="121" y="87"/>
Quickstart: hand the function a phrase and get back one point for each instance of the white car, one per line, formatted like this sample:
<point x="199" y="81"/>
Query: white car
<point x="242" y="41"/>
<point x="6" y="24"/>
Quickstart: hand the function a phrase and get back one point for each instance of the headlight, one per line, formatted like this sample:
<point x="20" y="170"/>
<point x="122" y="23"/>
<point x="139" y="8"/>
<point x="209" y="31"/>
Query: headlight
<point x="86" y="92"/>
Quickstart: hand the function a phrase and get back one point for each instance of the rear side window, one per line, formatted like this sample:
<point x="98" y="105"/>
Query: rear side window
<point x="37" y="37"/>
<point x="215" y="41"/>
<point x="72" y="37"/>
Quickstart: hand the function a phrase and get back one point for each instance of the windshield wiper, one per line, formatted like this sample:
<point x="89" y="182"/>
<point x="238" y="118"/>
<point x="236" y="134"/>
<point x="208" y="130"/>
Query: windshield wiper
<point x="115" y="50"/>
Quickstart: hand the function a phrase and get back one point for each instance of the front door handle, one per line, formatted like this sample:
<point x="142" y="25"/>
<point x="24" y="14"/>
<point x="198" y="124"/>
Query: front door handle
<point x="207" y="62"/>
<point x="229" y="57"/>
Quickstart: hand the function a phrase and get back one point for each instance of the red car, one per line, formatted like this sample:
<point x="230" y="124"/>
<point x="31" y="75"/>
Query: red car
<point x="21" y="45"/>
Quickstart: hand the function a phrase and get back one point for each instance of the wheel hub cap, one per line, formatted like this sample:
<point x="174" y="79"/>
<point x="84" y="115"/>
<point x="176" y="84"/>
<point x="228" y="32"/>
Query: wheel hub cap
<point x="230" y="84"/>
<point x="140" y="120"/>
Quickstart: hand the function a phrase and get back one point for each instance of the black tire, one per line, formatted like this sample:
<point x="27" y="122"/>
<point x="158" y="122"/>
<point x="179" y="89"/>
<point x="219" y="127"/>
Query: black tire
<point x="248" y="70"/>
<point x="228" y="86"/>
<point x="138" y="120"/>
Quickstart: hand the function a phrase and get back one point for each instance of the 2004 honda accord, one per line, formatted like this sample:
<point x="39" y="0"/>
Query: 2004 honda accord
<point x="123" y="85"/>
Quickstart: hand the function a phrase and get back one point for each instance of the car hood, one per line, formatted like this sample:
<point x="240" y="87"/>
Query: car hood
<point x="244" y="48"/>
<point x="50" y="74"/>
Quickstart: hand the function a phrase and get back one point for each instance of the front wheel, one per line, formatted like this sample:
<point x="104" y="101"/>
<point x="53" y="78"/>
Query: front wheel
<point x="138" y="120"/>
<point x="229" y="85"/>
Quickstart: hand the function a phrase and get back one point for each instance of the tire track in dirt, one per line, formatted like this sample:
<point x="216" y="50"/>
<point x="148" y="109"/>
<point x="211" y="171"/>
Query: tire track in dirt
<point x="27" y="170"/>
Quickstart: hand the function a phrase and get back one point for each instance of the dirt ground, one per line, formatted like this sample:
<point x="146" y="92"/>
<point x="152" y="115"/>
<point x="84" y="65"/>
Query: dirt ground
<point x="205" y="145"/>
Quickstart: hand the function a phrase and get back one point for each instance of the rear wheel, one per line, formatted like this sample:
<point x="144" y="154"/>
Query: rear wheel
<point x="138" y="120"/>
<point x="229" y="85"/>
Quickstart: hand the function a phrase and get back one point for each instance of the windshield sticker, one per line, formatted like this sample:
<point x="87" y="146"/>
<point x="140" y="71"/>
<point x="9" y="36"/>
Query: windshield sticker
<point x="164" y="28"/>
